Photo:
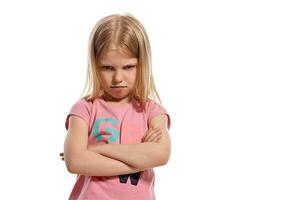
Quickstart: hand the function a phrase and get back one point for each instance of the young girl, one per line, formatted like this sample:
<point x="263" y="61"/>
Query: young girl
<point x="117" y="132"/>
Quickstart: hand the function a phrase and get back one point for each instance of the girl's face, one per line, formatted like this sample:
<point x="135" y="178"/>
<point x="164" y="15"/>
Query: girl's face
<point x="117" y="75"/>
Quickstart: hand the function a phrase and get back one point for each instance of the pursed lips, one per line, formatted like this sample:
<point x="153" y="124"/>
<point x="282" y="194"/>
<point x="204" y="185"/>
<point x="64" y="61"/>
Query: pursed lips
<point x="117" y="86"/>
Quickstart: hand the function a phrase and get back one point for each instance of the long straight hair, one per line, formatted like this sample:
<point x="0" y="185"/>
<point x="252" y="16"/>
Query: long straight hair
<point x="125" y="33"/>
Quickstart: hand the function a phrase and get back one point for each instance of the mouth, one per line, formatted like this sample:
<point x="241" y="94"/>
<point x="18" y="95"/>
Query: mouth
<point x="118" y="87"/>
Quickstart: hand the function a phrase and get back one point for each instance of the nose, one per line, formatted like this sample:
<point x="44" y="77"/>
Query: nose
<point x="117" y="78"/>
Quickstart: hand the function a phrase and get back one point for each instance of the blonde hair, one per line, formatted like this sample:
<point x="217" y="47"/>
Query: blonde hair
<point x="128" y="34"/>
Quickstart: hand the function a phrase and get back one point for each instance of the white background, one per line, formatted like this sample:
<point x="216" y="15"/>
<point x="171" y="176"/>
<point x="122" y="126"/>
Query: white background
<point x="227" y="72"/>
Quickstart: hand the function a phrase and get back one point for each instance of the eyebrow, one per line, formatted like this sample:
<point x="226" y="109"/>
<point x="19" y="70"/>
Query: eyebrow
<point x="129" y="64"/>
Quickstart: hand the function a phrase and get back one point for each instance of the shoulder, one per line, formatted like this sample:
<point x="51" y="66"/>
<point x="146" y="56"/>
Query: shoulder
<point x="81" y="108"/>
<point x="83" y="103"/>
<point x="157" y="113"/>
<point x="153" y="105"/>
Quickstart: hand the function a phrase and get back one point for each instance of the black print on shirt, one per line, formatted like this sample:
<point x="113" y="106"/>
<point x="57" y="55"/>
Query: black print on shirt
<point x="134" y="178"/>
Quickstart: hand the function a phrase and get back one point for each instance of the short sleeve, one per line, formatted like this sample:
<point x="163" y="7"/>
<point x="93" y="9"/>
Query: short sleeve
<point x="154" y="109"/>
<point x="81" y="108"/>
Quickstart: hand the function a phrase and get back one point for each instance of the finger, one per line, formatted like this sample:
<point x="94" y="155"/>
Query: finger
<point x="153" y="133"/>
<point x="153" y="129"/>
<point x="150" y="132"/>
<point x="152" y="136"/>
<point x="155" y="138"/>
<point x="149" y="135"/>
<point x="147" y="132"/>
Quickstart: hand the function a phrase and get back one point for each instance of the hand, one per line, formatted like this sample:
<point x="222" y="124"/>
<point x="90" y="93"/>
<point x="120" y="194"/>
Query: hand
<point x="62" y="156"/>
<point x="152" y="135"/>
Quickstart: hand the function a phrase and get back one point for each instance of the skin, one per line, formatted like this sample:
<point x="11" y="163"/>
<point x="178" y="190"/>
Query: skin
<point x="152" y="135"/>
<point x="116" y="69"/>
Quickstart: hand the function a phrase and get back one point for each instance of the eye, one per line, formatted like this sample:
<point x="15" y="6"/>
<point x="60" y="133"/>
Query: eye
<point x="128" y="67"/>
<point x="107" y="67"/>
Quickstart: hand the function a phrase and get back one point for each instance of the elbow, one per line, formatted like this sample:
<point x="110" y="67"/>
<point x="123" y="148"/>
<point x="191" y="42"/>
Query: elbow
<point x="164" y="157"/>
<point x="72" y="164"/>
<point x="71" y="168"/>
<point x="165" y="161"/>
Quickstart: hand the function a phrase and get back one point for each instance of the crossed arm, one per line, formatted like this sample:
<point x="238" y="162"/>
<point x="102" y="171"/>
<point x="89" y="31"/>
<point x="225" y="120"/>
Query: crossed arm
<point x="115" y="159"/>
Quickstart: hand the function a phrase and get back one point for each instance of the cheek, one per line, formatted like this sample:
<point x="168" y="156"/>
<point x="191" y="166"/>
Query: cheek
<point x="131" y="79"/>
<point x="133" y="76"/>
<point x="104" y="79"/>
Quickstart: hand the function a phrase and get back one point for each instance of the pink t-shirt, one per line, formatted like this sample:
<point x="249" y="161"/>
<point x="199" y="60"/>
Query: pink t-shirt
<point x="119" y="125"/>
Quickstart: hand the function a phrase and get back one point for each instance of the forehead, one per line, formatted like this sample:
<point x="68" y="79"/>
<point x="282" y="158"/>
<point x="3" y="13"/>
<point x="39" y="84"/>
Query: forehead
<point x="116" y="56"/>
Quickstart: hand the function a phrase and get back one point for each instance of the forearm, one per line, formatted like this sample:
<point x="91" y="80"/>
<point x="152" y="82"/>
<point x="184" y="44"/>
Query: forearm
<point x="92" y="164"/>
<point x="143" y="155"/>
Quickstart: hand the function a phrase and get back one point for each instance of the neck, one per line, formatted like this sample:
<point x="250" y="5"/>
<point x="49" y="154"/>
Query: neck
<point x="112" y="100"/>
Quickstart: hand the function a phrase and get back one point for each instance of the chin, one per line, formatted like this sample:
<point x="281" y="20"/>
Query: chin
<point x="118" y="97"/>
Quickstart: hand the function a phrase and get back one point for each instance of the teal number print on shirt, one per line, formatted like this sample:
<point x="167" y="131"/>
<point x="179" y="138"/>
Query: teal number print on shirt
<point x="115" y="133"/>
